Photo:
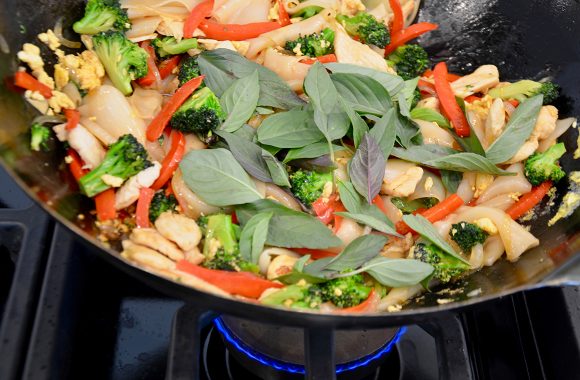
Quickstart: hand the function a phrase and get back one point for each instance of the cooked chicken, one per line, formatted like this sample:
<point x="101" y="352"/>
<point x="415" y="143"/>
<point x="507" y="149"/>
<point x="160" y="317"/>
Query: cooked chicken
<point x="350" y="51"/>
<point x="80" y="139"/>
<point x="495" y="121"/>
<point x="146" y="256"/>
<point x="481" y="80"/>
<point x="288" y="67"/>
<point x="178" y="228"/>
<point x="149" y="237"/>
<point x="545" y="125"/>
<point x="194" y="256"/>
<point x="401" y="178"/>
<point x="129" y="192"/>
<point x="280" y="266"/>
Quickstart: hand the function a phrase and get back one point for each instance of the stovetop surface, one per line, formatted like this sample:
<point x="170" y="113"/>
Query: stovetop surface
<point x="67" y="314"/>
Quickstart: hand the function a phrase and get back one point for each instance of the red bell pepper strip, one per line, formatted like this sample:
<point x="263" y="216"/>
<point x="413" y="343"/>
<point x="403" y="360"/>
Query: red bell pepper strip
<point x="283" y="17"/>
<point x="367" y="306"/>
<point x="514" y="102"/>
<point x="328" y="58"/>
<point x="472" y="98"/>
<point x="450" y="76"/>
<point x="325" y="208"/>
<point x="236" y="32"/>
<point x="152" y="71"/>
<point x="105" y="205"/>
<point x="398" y="20"/>
<point x="171" y="161"/>
<point x="72" y="118"/>
<point x="166" y="67"/>
<point x="155" y="129"/>
<point x="142" y="213"/>
<point x="435" y="213"/>
<point x="240" y="283"/>
<point x="448" y="102"/>
<point x="529" y="200"/>
<point x="76" y="164"/>
<point x="406" y="35"/>
<point x="197" y="15"/>
<point x="314" y="253"/>
<point x="24" y="80"/>
<point x="378" y="201"/>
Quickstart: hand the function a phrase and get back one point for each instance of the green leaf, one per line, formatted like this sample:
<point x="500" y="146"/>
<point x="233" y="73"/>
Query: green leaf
<point x="217" y="178"/>
<point x="397" y="273"/>
<point x="467" y="162"/>
<point x="355" y="204"/>
<point x="385" y="132"/>
<point x="362" y="93"/>
<point x="277" y="169"/>
<point x="370" y="221"/>
<point x="406" y="130"/>
<point x="301" y="262"/>
<point x="239" y="101"/>
<point x="424" y="228"/>
<point x="451" y="180"/>
<point x="405" y="97"/>
<point x="295" y="276"/>
<point x="517" y="131"/>
<point x="392" y="83"/>
<point x="292" y="129"/>
<point x="358" y="252"/>
<point x="222" y="66"/>
<point x="248" y="154"/>
<point x="315" y="150"/>
<point x="359" y="126"/>
<point x="367" y="168"/>
<point x="422" y="153"/>
<point x="253" y="237"/>
<point x="289" y="228"/>
<point x="427" y="114"/>
<point x="471" y="143"/>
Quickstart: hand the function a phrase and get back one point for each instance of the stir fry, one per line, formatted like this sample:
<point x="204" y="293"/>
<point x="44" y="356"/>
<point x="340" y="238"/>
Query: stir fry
<point x="305" y="154"/>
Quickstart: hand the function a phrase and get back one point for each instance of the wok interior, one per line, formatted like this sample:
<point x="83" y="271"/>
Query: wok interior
<point x="524" y="40"/>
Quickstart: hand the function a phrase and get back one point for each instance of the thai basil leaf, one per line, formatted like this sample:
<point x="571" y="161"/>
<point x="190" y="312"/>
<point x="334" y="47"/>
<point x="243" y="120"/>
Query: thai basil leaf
<point x="264" y="111"/>
<point x="406" y="131"/>
<point x="370" y="221"/>
<point x="427" y="114"/>
<point x="295" y="276"/>
<point x="301" y="262"/>
<point x="247" y="133"/>
<point x="359" y="126"/>
<point x="451" y="180"/>
<point x="397" y="273"/>
<point x="424" y="228"/>
<point x="385" y="132"/>
<point x="517" y="131"/>
<point x="292" y="129"/>
<point x="354" y="204"/>
<point x="471" y="143"/>
<point x="405" y="97"/>
<point x="367" y="168"/>
<point x="289" y="228"/>
<point x="392" y="83"/>
<point x="322" y="164"/>
<point x="277" y="169"/>
<point x="239" y="101"/>
<point x="466" y="162"/>
<point x="334" y="125"/>
<point x="311" y="151"/>
<point x="362" y="93"/>
<point x="423" y="153"/>
<point x="358" y="252"/>
<point x="222" y="66"/>
<point x="316" y="268"/>
<point x="248" y="154"/>
<point x="217" y="178"/>
<point x="253" y="237"/>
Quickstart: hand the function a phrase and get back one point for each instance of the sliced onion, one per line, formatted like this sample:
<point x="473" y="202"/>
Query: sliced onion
<point x="49" y="119"/>
<point x="62" y="39"/>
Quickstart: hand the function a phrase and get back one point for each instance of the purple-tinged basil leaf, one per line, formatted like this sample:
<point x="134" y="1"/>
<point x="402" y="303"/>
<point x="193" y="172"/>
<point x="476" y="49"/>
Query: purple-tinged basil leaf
<point x="367" y="168"/>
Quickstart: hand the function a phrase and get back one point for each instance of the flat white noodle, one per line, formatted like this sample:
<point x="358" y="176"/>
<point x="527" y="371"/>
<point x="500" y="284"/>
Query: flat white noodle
<point x="294" y="6"/>
<point x="191" y="205"/>
<point x="143" y="26"/>
<point x="348" y="231"/>
<point x="242" y="11"/>
<point x="507" y="184"/>
<point x="288" y="67"/>
<point x="350" y="51"/>
<point x="146" y="103"/>
<point x="398" y="296"/>
<point x="476" y="257"/>
<point x="99" y="132"/>
<point x="434" y="134"/>
<point x="492" y="250"/>
<point x="430" y="186"/>
<point x="392" y="212"/>
<point x="169" y="8"/>
<point x="501" y="202"/>
<point x="466" y="187"/>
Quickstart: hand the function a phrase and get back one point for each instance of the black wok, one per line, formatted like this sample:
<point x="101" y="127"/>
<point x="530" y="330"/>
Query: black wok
<point x="524" y="38"/>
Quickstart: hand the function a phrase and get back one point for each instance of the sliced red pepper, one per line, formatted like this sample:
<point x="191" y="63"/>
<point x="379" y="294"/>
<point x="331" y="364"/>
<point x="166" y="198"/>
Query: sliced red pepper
<point x="328" y="58"/>
<point x="448" y="102"/>
<point x="76" y="164"/>
<point x="235" y="218"/>
<point x="155" y="129"/>
<point x="435" y="213"/>
<point x="24" y="80"/>
<point x="378" y="201"/>
<point x="236" y="32"/>
<point x="142" y="213"/>
<point x="398" y="19"/>
<point x="314" y="253"/>
<point x="197" y="15"/>
<point x="171" y="161"/>
<point x="283" y="17"/>
<point x="529" y="200"/>
<point x="166" y="67"/>
<point x="72" y="118"/>
<point x="239" y="283"/>
<point x="450" y="76"/>
<point x="367" y="306"/>
<point x="105" y="205"/>
<point x="472" y="98"/>
<point x="325" y="208"/>
<point x="152" y="71"/>
<point x="514" y="102"/>
<point x="406" y="35"/>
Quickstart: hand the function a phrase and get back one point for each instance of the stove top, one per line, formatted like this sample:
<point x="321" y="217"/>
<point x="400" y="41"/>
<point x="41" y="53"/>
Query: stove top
<point x="67" y="314"/>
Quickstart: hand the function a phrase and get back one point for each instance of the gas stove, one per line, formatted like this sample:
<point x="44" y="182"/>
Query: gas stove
<point x="66" y="314"/>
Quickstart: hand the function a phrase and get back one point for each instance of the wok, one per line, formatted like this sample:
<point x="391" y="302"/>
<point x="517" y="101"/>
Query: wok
<point x="525" y="39"/>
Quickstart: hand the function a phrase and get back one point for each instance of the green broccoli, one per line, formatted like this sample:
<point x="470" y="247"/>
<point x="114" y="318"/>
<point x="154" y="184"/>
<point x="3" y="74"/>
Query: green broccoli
<point x="526" y="89"/>
<point x="409" y="206"/>
<point x="416" y="98"/>
<point x="39" y="135"/>
<point x="188" y="70"/>
<point x="445" y="266"/>
<point x="410" y="61"/>
<point x="125" y="158"/>
<point x="201" y="114"/>
<point x="123" y="60"/>
<point x="308" y="12"/>
<point x="345" y="291"/>
<point x="160" y="204"/>
<point x="299" y="296"/>
<point x="313" y="45"/>
<point x="541" y="167"/>
<point x="309" y="185"/>
<point x="367" y="28"/>
<point x="169" y="46"/>
<point x="102" y="15"/>
<point x="467" y="235"/>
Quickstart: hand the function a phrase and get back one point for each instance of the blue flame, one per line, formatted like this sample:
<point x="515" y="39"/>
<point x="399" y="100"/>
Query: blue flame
<point x="296" y="368"/>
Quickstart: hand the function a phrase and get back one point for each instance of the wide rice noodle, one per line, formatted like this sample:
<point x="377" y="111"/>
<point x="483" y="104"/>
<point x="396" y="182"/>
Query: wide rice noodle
<point x="507" y="184"/>
<point x="288" y="67"/>
<point x="241" y="11"/>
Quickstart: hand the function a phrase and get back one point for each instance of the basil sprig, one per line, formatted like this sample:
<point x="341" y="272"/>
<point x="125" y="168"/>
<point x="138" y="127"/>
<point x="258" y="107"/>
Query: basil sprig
<point x="253" y="236"/>
<point x="239" y="101"/>
<point x="367" y="168"/>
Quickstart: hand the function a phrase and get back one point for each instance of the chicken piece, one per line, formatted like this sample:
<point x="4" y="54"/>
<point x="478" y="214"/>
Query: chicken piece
<point x="87" y="146"/>
<point x="194" y="256"/>
<point x="525" y="151"/>
<point x="398" y="248"/>
<point x="146" y="256"/>
<point x="546" y="122"/>
<point x="149" y="237"/>
<point x="481" y="80"/>
<point x="434" y="134"/>
<point x="430" y="103"/>
<point x="495" y="121"/>
<point x="280" y="266"/>
<point x="350" y="51"/>
<point x="129" y="192"/>
<point x="401" y="178"/>
<point x="180" y="229"/>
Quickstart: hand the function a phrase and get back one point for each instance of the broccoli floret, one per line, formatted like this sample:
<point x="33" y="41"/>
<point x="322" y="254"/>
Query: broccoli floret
<point x="367" y="28"/>
<point x="39" y="135"/>
<point x="160" y="204"/>
<point x="467" y="235"/>
<point x="345" y="291"/>
<point x="526" y="89"/>
<point x="300" y="296"/>
<point x="201" y="114"/>
<point x="541" y="167"/>
<point x="169" y="46"/>
<point x="188" y="70"/>
<point x="102" y="15"/>
<point x="313" y="45"/>
<point x="123" y="60"/>
<point x="125" y="158"/>
<point x="445" y="266"/>
<point x="409" y="206"/>
<point x="410" y="61"/>
<point x="416" y="98"/>
<point x="309" y="185"/>
<point x="308" y="12"/>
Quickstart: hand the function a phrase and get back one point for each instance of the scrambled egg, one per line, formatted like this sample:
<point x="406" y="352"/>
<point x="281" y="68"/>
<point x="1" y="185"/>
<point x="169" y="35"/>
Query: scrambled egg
<point x="85" y="68"/>
<point x="30" y="54"/>
<point x="49" y="39"/>
<point x="571" y="200"/>
<point x="60" y="101"/>
<point x="487" y="225"/>
<point x="482" y="182"/>
<point x="111" y="180"/>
